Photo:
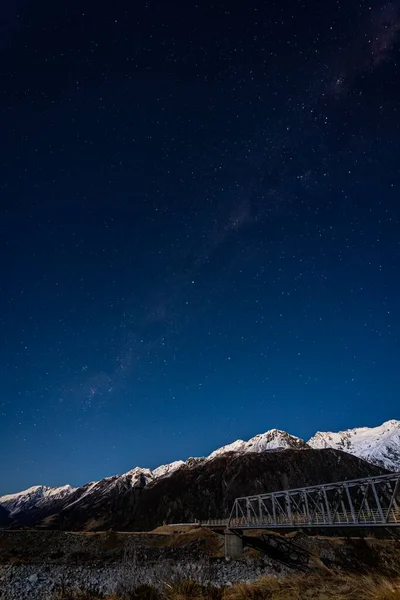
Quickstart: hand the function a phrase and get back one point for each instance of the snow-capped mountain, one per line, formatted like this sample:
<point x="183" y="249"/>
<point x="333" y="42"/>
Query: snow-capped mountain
<point x="34" y="496"/>
<point x="39" y="495"/>
<point x="378" y="445"/>
<point x="201" y="489"/>
<point x="274" y="439"/>
<point x="167" y="469"/>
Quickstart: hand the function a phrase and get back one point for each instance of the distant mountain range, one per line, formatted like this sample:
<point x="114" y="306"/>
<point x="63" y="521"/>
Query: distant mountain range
<point x="118" y="501"/>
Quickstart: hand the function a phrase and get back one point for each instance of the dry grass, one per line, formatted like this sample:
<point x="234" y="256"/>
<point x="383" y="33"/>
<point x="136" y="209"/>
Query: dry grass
<point x="264" y="588"/>
<point x="168" y="529"/>
<point x="326" y="586"/>
<point x="310" y="586"/>
<point x="142" y="592"/>
<point x="384" y="589"/>
<point x="213" y="543"/>
<point x="76" y="595"/>
<point x="182" y="590"/>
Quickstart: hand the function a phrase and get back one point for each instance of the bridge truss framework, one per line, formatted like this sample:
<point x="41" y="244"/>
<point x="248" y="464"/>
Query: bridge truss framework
<point x="368" y="502"/>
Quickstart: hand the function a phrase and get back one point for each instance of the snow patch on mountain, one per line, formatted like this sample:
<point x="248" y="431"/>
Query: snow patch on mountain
<point x="379" y="445"/>
<point x="274" y="439"/>
<point x="164" y="470"/>
<point x="138" y="476"/>
<point x="34" y="496"/>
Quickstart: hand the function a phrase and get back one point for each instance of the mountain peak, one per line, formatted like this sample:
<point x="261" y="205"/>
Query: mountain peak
<point x="168" y="469"/>
<point x="379" y="445"/>
<point x="391" y="423"/>
<point x="273" y="439"/>
<point x="34" y="496"/>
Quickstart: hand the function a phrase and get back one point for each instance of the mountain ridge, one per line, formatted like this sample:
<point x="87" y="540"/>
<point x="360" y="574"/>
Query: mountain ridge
<point x="196" y="491"/>
<point x="377" y="445"/>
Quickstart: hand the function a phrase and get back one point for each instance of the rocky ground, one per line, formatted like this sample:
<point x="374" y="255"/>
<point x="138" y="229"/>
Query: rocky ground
<point x="37" y="582"/>
<point x="34" y="564"/>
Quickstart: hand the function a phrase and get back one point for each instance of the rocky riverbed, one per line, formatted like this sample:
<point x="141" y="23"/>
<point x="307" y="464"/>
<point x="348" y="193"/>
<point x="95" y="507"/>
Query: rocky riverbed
<point x="40" y="582"/>
<point x="34" y="564"/>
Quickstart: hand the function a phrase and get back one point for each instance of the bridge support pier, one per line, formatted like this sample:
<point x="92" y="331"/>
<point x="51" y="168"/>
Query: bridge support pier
<point x="233" y="544"/>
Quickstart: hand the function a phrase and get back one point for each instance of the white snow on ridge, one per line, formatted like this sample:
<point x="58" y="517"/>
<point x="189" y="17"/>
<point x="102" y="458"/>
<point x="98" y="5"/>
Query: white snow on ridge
<point x="379" y="445"/>
<point x="164" y="470"/>
<point x="138" y="475"/>
<point x="90" y="488"/>
<point x="237" y="446"/>
<point x="274" y="439"/>
<point x="37" y="495"/>
<point x="33" y="496"/>
<point x="34" y="490"/>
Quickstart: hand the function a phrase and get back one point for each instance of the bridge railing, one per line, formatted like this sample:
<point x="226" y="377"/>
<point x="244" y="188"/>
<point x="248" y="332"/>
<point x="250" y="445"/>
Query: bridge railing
<point x="373" y="501"/>
<point x="215" y="523"/>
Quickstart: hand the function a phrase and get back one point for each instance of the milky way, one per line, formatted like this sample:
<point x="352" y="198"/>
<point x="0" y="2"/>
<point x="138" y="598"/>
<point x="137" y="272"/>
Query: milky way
<point x="200" y="227"/>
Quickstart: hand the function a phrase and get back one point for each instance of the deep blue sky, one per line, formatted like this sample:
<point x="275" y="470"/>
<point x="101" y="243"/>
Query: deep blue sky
<point x="200" y="228"/>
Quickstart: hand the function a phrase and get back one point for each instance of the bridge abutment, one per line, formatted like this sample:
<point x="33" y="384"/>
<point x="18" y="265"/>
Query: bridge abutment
<point x="233" y="544"/>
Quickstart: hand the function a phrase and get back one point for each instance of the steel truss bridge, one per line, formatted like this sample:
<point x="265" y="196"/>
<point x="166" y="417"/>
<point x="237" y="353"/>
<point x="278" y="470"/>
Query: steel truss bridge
<point x="368" y="502"/>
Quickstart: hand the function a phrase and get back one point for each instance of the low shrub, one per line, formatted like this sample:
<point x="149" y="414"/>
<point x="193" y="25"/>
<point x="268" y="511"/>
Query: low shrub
<point x="309" y="586"/>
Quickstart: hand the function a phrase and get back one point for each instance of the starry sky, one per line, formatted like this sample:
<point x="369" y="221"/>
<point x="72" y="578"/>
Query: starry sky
<point x="200" y="228"/>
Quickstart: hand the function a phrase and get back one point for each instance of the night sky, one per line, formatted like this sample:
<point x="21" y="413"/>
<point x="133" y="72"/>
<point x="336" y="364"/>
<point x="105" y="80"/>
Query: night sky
<point x="200" y="228"/>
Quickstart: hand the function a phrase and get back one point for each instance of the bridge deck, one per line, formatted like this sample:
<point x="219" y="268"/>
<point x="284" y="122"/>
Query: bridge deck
<point x="368" y="502"/>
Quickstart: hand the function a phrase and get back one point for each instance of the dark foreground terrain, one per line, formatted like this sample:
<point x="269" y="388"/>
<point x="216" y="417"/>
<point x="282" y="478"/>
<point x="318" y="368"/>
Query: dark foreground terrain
<point x="90" y="545"/>
<point x="36" y="565"/>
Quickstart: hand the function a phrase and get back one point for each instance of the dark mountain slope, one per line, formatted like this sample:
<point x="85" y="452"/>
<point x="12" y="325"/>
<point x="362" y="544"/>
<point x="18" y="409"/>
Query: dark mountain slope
<point x="4" y="517"/>
<point x="208" y="491"/>
<point x="204" y="490"/>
